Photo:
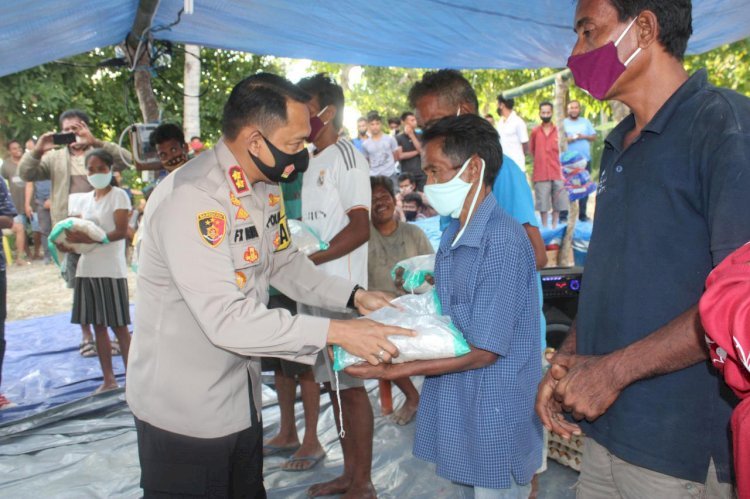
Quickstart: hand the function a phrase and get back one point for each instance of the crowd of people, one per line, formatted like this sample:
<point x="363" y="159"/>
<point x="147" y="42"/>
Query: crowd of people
<point x="222" y="293"/>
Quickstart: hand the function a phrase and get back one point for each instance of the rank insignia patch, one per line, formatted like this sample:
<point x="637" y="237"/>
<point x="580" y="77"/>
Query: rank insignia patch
<point x="212" y="225"/>
<point x="238" y="179"/>
<point x="234" y="199"/>
<point x="242" y="214"/>
<point x="251" y="255"/>
<point x="241" y="279"/>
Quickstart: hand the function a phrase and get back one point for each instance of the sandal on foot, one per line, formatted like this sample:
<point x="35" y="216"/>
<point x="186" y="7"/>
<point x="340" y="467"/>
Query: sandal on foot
<point x="310" y="461"/>
<point x="272" y="450"/>
<point x="87" y="348"/>
<point x="116" y="348"/>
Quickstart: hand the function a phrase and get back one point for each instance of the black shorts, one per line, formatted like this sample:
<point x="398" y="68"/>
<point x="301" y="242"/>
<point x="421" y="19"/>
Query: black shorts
<point x="290" y="368"/>
<point x="174" y="465"/>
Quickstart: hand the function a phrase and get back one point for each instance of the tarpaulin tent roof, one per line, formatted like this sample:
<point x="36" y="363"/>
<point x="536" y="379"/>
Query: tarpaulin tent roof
<point x="416" y="33"/>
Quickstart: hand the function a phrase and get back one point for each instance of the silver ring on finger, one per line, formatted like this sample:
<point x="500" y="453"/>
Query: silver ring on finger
<point x="380" y="355"/>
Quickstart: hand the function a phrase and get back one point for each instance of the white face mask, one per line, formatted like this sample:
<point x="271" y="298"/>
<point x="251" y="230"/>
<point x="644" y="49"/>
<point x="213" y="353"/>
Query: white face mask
<point x="448" y="198"/>
<point x="100" y="180"/>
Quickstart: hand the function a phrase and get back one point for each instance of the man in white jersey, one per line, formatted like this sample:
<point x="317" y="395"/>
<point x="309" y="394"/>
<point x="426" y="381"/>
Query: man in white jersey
<point x="335" y="203"/>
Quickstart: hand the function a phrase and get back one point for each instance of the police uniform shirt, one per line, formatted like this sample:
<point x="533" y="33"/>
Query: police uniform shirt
<point x="212" y="245"/>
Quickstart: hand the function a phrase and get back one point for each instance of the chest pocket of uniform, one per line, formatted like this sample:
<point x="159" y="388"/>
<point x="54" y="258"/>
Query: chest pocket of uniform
<point x="245" y="246"/>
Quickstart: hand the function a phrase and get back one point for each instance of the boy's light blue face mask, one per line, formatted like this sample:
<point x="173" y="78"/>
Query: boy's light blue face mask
<point x="448" y="198"/>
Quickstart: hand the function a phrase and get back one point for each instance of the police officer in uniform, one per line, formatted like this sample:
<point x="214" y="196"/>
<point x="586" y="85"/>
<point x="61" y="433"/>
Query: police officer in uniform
<point x="215" y="238"/>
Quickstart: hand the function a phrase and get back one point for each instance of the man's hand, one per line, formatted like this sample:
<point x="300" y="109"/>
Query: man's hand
<point x="366" y="371"/>
<point x="44" y="144"/>
<point x="550" y="411"/>
<point x="74" y="236"/>
<point x="86" y="136"/>
<point x="370" y="301"/>
<point x="47" y="204"/>
<point x="590" y="386"/>
<point x="366" y="339"/>
<point x="28" y="211"/>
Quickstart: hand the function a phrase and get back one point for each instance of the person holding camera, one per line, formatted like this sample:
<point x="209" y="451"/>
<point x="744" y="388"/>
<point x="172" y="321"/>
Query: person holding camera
<point x="65" y="167"/>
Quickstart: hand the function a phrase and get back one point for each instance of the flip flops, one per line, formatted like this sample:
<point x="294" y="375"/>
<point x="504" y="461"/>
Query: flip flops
<point x="272" y="450"/>
<point x="87" y="348"/>
<point x="312" y="460"/>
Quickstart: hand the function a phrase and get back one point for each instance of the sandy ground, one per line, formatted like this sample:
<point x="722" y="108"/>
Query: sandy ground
<point x="37" y="290"/>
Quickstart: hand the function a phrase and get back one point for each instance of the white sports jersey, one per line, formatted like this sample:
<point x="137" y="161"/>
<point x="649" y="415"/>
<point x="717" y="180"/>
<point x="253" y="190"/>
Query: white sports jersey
<point x="337" y="180"/>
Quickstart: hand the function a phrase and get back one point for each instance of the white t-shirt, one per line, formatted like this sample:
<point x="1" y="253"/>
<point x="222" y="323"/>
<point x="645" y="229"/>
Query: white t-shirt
<point x="513" y="134"/>
<point x="380" y="155"/>
<point x="336" y="181"/>
<point x="106" y="260"/>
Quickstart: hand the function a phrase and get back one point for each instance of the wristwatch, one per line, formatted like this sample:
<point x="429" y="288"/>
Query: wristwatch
<point x="350" y="303"/>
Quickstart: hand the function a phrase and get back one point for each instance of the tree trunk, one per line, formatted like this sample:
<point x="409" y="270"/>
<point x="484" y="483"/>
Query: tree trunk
<point x="142" y="77"/>
<point x="191" y="117"/>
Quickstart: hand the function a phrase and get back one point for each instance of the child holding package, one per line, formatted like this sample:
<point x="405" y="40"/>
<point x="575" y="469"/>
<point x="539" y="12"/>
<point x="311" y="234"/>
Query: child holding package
<point x="101" y="289"/>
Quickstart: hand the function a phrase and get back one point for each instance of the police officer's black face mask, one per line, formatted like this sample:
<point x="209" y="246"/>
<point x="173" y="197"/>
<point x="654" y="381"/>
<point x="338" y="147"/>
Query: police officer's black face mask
<point x="287" y="166"/>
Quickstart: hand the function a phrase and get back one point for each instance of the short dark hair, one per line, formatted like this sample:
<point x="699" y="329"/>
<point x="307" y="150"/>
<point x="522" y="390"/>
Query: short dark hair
<point x="546" y="103"/>
<point x="488" y="115"/>
<point x="675" y="19"/>
<point x="406" y="115"/>
<point x="447" y="84"/>
<point x="329" y="93"/>
<point x="13" y="141"/>
<point x="259" y="100"/>
<point x="413" y="197"/>
<point x="165" y="132"/>
<point x="108" y="159"/>
<point x="361" y="118"/>
<point x="508" y="102"/>
<point x="466" y="135"/>
<point x="194" y="137"/>
<point x="394" y="121"/>
<point x="373" y="116"/>
<point x="382" y="181"/>
<point x="74" y="113"/>
<point x="407" y="176"/>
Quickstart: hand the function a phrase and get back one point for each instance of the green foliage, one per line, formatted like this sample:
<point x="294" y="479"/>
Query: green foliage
<point x="32" y="100"/>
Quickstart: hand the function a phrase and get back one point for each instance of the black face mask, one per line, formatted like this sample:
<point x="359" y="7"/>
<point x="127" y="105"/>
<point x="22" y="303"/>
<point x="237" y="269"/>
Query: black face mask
<point x="287" y="166"/>
<point x="547" y="119"/>
<point x="410" y="215"/>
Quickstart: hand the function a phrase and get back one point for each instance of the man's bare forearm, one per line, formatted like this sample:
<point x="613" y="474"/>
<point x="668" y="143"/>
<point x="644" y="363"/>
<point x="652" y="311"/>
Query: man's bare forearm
<point x="675" y="346"/>
<point x="473" y="360"/>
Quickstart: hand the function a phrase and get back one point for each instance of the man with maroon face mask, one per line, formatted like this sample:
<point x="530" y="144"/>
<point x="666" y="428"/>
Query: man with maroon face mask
<point x="671" y="205"/>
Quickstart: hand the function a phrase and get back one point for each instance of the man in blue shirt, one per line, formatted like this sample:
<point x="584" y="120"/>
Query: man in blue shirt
<point x="475" y="418"/>
<point x="447" y="93"/>
<point x="672" y="204"/>
<point x="579" y="133"/>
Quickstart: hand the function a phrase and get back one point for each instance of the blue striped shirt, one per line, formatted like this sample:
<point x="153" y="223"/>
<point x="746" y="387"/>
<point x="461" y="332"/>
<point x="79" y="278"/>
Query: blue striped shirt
<point x="479" y="426"/>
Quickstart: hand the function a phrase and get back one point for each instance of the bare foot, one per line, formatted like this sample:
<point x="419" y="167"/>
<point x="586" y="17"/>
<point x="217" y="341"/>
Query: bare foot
<point x="336" y="486"/>
<point x="361" y="491"/>
<point x="405" y="413"/>
<point x="105" y="387"/>
<point x="305" y="458"/>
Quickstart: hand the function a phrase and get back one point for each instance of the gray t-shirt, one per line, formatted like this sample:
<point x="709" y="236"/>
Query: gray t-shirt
<point x="380" y="155"/>
<point x="385" y="252"/>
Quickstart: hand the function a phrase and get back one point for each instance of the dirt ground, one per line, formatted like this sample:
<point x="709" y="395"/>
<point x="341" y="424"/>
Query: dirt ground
<point x="37" y="290"/>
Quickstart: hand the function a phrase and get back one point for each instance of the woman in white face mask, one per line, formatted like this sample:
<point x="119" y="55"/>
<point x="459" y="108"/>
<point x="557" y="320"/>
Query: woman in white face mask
<point x="101" y="289"/>
<point x="476" y="417"/>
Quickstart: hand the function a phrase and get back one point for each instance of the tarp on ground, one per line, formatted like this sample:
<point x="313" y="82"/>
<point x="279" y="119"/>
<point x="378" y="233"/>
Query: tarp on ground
<point x="469" y="34"/>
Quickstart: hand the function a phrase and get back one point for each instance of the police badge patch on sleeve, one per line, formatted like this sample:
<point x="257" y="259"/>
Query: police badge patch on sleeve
<point x="212" y="225"/>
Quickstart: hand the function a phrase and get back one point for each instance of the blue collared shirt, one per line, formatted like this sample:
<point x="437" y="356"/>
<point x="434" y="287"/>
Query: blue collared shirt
<point x="669" y="208"/>
<point x="479" y="426"/>
<point x="7" y="209"/>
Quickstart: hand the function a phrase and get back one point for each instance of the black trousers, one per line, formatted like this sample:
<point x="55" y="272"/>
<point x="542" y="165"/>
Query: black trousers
<point x="3" y="314"/>
<point x="174" y="465"/>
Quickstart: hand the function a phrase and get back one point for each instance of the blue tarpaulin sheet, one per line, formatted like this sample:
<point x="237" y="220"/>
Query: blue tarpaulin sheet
<point x="467" y="34"/>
